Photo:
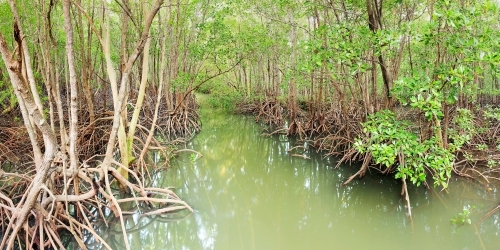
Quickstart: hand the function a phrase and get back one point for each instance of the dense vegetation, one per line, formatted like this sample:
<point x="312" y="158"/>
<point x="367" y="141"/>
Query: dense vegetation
<point x="406" y="87"/>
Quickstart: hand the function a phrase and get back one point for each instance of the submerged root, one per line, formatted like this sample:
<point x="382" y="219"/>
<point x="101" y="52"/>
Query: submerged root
<point x="404" y="191"/>
<point x="490" y="213"/>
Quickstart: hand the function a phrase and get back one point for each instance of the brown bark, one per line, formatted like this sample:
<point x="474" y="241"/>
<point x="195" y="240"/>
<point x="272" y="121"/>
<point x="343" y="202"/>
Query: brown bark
<point x="292" y="105"/>
<point x="374" y="10"/>
<point x="86" y="71"/>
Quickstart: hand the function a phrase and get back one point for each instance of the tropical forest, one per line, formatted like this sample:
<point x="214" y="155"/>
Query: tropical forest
<point x="249" y="124"/>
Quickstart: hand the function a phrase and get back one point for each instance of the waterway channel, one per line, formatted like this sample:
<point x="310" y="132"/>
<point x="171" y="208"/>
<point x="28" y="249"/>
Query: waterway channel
<point x="248" y="192"/>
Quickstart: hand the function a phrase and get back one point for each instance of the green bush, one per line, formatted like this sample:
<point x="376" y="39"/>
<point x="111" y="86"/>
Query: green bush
<point x="222" y="95"/>
<point x="393" y="146"/>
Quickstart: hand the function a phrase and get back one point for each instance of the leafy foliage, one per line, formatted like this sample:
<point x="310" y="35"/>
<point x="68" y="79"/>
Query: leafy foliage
<point x="463" y="129"/>
<point x="422" y="94"/>
<point x="393" y="146"/>
<point x="222" y="95"/>
<point x="7" y="97"/>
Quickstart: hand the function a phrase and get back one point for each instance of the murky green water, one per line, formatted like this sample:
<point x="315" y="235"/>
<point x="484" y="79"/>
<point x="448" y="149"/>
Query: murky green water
<point x="249" y="193"/>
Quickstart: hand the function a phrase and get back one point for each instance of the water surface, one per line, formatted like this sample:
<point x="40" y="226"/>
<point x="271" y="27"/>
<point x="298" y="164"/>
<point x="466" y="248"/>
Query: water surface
<point x="248" y="192"/>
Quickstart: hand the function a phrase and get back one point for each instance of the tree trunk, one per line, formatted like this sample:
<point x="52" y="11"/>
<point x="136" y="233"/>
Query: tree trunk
<point x="374" y="23"/>
<point x="119" y="98"/>
<point x="73" y="125"/>
<point x="14" y="68"/>
<point x="86" y="67"/>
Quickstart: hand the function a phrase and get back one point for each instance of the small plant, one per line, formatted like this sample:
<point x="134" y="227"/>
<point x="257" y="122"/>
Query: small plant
<point x="492" y="113"/>
<point x="463" y="217"/>
<point x="492" y="163"/>
<point x="482" y="147"/>
<point x="193" y="157"/>
<point x="468" y="156"/>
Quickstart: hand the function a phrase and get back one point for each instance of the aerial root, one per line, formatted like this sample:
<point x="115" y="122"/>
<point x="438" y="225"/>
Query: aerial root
<point x="70" y="202"/>
<point x="58" y="209"/>
<point x="362" y="170"/>
<point x="404" y="192"/>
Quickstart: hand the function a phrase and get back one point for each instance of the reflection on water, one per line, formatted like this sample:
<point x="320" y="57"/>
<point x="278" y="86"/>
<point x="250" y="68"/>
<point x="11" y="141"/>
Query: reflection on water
<point x="249" y="193"/>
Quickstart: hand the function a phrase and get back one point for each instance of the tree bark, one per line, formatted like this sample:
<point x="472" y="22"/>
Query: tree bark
<point x="73" y="125"/>
<point x="86" y="67"/>
<point x="14" y="68"/>
<point x="374" y="10"/>
<point x="119" y="98"/>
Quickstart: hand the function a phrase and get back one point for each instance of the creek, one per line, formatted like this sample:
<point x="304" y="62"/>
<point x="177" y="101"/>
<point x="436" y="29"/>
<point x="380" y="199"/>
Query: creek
<point x="248" y="192"/>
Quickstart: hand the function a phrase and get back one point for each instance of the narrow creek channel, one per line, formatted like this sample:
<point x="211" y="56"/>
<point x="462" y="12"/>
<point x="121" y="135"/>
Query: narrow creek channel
<point x="249" y="193"/>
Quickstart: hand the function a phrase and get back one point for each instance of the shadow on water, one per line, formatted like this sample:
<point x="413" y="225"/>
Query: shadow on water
<point x="249" y="193"/>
